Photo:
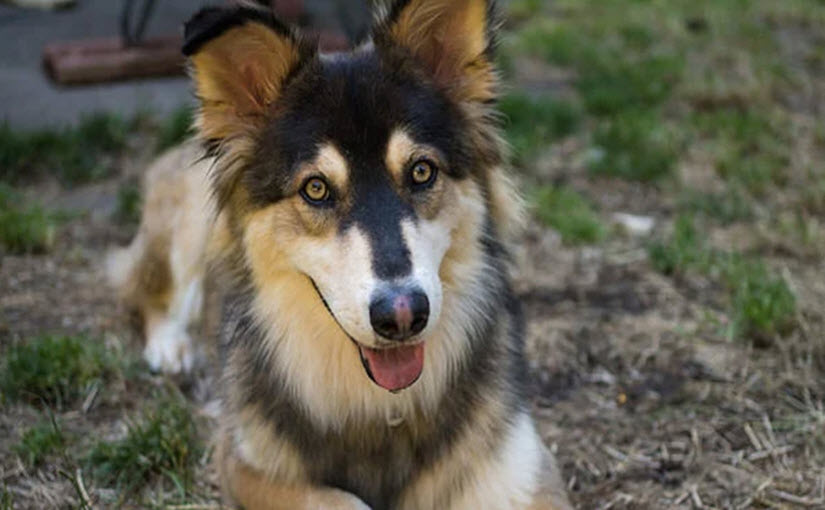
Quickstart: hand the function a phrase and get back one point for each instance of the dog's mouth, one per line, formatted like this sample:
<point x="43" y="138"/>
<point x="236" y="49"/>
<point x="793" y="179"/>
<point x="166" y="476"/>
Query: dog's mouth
<point x="392" y="368"/>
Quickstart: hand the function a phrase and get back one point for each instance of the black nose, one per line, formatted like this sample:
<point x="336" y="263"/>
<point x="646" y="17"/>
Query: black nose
<point x="399" y="313"/>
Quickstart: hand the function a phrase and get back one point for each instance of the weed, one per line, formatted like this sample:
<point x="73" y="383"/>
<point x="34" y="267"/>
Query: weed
<point x="524" y="9"/>
<point x="634" y="146"/>
<point x="24" y="228"/>
<point x="163" y="441"/>
<point x="38" y="442"/>
<point x="726" y="207"/>
<point x="558" y="44"/>
<point x="535" y="122"/>
<point x="175" y="129"/>
<point x="6" y="500"/>
<point x="611" y="84"/>
<point x="71" y="154"/>
<point x="761" y="304"/>
<point x="53" y="370"/>
<point x="750" y="147"/>
<point x="568" y="213"/>
<point x="684" y="250"/>
<point x="129" y="203"/>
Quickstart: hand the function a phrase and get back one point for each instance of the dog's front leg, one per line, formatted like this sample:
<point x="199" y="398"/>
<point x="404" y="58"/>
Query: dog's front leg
<point x="253" y="491"/>
<point x="551" y="493"/>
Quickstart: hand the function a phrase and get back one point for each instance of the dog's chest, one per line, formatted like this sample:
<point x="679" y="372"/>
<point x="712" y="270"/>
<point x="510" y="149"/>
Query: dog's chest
<point x="376" y="462"/>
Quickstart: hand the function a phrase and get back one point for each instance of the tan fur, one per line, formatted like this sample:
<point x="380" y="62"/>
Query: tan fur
<point x="160" y="278"/>
<point x="237" y="76"/>
<point x="253" y="490"/>
<point x="450" y="37"/>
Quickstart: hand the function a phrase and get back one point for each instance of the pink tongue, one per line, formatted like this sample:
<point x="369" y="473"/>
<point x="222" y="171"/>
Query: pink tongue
<point x="395" y="369"/>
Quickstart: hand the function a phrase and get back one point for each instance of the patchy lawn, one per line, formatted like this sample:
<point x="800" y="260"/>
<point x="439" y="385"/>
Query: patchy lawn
<point x="672" y="154"/>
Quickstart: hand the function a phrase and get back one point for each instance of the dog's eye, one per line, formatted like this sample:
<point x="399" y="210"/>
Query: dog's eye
<point x="423" y="173"/>
<point x="316" y="191"/>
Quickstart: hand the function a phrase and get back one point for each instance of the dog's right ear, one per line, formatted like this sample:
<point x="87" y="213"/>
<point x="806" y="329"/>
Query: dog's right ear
<point x="241" y="58"/>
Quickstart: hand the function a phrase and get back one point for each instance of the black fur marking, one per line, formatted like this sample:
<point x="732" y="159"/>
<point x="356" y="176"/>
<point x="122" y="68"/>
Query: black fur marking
<point x="212" y="22"/>
<point x="379" y="214"/>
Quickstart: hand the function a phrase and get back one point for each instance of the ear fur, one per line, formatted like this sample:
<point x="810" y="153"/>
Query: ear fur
<point x="452" y="39"/>
<point x="240" y="59"/>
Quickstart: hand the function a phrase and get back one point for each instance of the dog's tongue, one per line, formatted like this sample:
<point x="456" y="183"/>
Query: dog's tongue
<point x="394" y="369"/>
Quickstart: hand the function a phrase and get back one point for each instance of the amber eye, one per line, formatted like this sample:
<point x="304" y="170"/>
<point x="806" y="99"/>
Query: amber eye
<point x="316" y="190"/>
<point x="423" y="173"/>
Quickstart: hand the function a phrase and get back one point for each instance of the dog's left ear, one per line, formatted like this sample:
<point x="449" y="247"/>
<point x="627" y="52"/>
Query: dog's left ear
<point x="452" y="39"/>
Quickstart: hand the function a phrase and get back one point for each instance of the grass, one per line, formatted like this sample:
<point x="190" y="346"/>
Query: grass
<point x="750" y="148"/>
<point x="40" y="441"/>
<point x="727" y="207"/>
<point x="569" y="214"/>
<point x="6" y="500"/>
<point x="74" y="155"/>
<point x="533" y="123"/>
<point x="762" y="305"/>
<point x="24" y="228"/>
<point x="612" y="85"/>
<point x="163" y="441"/>
<point x="634" y="146"/>
<point x="175" y="129"/>
<point x="53" y="370"/>
<point x="129" y="203"/>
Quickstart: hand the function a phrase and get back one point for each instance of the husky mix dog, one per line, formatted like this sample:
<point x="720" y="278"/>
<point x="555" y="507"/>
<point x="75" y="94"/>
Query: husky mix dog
<point x="352" y="213"/>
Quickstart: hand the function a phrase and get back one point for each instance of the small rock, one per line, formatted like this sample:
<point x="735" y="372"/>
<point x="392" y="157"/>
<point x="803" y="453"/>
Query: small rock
<point x="634" y="224"/>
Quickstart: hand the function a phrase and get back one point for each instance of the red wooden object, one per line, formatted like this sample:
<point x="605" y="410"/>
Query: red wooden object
<point x="106" y="60"/>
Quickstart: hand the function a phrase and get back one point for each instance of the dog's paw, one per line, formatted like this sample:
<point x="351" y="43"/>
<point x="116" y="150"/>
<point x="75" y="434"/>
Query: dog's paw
<point x="170" y="350"/>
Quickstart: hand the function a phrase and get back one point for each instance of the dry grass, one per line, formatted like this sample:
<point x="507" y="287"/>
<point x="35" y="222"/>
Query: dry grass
<point x="642" y="389"/>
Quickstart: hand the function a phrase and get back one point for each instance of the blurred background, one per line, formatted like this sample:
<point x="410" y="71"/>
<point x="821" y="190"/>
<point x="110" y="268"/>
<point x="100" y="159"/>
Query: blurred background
<point x="672" y="154"/>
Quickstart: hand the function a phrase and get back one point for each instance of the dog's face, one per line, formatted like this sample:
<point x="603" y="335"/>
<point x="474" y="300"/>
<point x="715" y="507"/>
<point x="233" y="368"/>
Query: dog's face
<point x="366" y="173"/>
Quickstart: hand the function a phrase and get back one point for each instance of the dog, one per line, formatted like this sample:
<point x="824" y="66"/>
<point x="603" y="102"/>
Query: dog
<point x="354" y="216"/>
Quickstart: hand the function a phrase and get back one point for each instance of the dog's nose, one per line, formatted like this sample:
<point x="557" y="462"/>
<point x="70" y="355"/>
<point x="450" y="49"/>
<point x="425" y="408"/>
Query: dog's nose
<point x="399" y="313"/>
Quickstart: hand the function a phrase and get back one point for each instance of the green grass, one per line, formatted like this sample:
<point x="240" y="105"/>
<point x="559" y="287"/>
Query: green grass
<point x="6" y="500"/>
<point x="129" y="203"/>
<point x="618" y="65"/>
<point x="762" y="305"/>
<point x="634" y="146"/>
<point x="24" y="228"/>
<point x="569" y="214"/>
<point x="727" y="207"/>
<point x="40" y="441"/>
<point x="163" y="441"/>
<point x="750" y="148"/>
<point x="533" y="123"/>
<point x="53" y="370"/>
<point x="524" y="9"/>
<point x="175" y="129"/>
<point x="612" y="85"/>
<point x="684" y="250"/>
<point x="72" y="154"/>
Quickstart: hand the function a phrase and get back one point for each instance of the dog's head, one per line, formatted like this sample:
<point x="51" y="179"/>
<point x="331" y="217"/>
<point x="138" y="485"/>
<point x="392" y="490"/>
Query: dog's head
<point x="373" y="175"/>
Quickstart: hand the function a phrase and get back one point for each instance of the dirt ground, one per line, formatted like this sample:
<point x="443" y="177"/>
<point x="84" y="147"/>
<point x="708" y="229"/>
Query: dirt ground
<point x="647" y="400"/>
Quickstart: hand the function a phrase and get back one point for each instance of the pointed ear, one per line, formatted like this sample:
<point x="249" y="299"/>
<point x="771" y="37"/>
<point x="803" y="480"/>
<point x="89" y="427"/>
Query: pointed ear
<point x="240" y="60"/>
<point x="453" y="39"/>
